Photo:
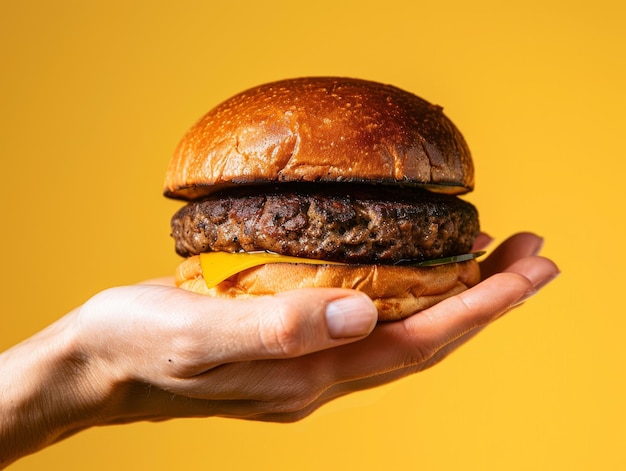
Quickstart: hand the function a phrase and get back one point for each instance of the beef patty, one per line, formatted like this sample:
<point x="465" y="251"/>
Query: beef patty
<point x="374" y="224"/>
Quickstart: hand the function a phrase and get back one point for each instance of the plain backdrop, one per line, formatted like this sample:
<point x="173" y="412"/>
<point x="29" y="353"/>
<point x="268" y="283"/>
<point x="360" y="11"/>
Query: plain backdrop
<point x="94" y="97"/>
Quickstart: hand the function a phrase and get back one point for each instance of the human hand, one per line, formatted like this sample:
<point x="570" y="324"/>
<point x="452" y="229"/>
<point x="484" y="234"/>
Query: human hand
<point x="279" y="358"/>
<point x="153" y="352"/>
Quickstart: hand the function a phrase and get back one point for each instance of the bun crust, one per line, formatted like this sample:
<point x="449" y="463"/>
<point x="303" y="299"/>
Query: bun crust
<point x="397" y="291"/>
<point x="325" y="129"/>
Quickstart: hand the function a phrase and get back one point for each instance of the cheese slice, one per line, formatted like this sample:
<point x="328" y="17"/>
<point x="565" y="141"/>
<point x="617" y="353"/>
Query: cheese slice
<point x="217" y="266"/>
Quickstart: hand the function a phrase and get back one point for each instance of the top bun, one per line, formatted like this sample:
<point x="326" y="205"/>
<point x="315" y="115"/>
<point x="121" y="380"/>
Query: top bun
<point x="321" y="129"/>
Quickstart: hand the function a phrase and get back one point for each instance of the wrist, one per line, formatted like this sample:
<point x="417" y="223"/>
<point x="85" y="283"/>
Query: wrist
<point x="54" y="389"/>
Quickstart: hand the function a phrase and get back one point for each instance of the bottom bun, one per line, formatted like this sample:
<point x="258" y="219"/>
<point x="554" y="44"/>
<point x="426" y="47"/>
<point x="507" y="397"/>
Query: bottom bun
<point x="397" y="291"/>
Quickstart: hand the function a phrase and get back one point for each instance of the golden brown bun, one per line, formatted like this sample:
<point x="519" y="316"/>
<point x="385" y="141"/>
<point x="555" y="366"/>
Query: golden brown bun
<point x="321" y="129"/>
<point x="397" y="291"/>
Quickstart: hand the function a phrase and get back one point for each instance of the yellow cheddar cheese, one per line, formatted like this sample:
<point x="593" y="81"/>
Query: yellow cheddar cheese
<point x="217" y="266"/>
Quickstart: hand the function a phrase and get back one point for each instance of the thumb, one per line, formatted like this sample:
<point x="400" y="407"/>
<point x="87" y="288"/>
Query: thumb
<point x="295" y="323"/>
<point x="196" y="333"/>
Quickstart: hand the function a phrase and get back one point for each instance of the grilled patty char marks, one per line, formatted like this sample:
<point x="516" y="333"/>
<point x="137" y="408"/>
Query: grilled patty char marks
<point x="375" y="224"/>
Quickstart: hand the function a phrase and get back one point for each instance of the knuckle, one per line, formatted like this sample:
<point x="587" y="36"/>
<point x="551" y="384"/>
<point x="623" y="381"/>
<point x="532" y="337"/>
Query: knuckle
<point x="293" y="416"/>
<point x="285" y="332"/>
<point x="297" y="404"/>
<point x="434" y="331"/>
<point x="419" y="351"/>
<point x="300" y="390"/>
<point x="419" y="355"/>
<point x="184" y="350"/>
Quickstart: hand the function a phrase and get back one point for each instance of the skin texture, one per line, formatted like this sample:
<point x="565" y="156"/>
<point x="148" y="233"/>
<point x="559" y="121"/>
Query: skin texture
<point x="155" y="352"/>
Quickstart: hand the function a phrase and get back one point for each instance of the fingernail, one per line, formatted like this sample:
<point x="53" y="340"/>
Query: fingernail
<point x="353" y="316"/>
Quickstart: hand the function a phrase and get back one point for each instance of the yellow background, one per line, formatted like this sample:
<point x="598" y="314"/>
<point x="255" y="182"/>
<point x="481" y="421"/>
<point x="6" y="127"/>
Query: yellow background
<point x="95" y="95"/>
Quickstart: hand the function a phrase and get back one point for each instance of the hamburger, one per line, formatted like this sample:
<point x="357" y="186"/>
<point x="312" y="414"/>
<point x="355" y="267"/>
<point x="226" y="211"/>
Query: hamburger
<point x="325" y="182"/>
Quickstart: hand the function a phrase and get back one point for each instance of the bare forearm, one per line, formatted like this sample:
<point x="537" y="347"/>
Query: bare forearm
<point x="46" y="392"/>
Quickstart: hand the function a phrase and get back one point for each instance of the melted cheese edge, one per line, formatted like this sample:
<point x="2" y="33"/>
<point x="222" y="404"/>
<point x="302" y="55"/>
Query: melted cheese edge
<point x="218" y="266"/>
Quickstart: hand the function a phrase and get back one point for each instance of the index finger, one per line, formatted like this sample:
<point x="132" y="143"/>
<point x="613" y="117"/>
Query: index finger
<point x="413" y="341"/>
<point x="516" y="247"/>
